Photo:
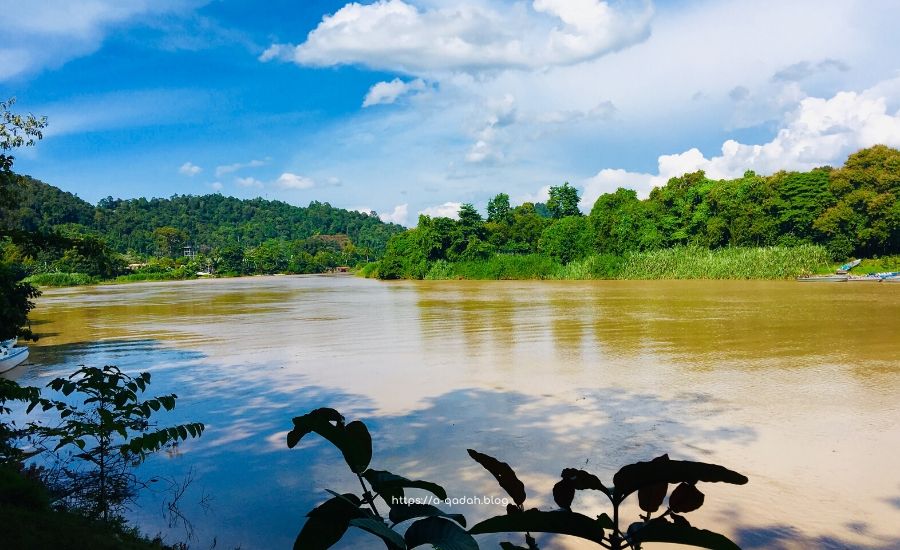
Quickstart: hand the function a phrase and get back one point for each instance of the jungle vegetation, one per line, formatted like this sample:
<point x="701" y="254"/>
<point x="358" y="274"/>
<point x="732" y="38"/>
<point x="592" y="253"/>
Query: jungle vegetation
<point x="802" y="220"/>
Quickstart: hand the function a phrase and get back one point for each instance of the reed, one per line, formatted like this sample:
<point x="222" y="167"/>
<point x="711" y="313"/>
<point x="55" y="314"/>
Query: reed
<point x="61" y="279"/>
<point x="691" y="262"/>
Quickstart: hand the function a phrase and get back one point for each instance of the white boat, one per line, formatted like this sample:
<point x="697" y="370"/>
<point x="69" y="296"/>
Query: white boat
<point x="11" y="356"/>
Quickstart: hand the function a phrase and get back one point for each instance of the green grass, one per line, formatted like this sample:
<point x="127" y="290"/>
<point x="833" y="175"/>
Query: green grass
<point x="175" y="275"/>
<point x="500" y="266"/>
<point x="61" y="279"/>
<point x="674" y="263"/>
<point x="771" y="262"/>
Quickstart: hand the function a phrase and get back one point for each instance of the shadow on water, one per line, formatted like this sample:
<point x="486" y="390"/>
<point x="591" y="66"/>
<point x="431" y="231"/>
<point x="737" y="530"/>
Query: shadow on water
<point x="259" y="491"/>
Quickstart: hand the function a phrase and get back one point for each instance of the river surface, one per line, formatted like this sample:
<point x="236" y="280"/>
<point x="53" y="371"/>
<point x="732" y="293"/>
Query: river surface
<point x="795" y="385"/>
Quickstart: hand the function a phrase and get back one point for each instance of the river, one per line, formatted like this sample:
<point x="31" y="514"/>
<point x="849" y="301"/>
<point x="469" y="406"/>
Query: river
<point x="796" y="386"/>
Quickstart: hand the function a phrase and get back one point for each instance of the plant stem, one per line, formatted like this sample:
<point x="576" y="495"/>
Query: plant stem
<point x="367" y="496"/>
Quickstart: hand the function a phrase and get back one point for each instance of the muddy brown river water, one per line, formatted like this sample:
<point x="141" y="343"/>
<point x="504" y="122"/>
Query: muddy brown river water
<point x="796" y="386"/>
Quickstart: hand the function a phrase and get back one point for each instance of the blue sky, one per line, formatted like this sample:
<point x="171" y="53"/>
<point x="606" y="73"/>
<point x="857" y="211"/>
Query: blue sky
<point x="409" y="106"/>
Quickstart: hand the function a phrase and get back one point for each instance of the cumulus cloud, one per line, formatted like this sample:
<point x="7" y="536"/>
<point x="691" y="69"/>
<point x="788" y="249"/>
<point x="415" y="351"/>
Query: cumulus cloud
<point x="189" y="169"/>
<point x="446" y="210"/>
<point x="288" y="180"/>
<point x="467" y="36"/>
<point x="399" y="215"/>
<point x="224" y="169"/>
<point x="384" y="93"/>
<point x="216" y="186"/>
<point x="248" y="182"/>
<point x="49" y="33"/>
<point x="819" y="132"/>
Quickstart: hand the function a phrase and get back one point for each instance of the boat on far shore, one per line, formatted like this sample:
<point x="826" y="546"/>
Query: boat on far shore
<point x="11" y="356"/>
<point x="824" y="279"/>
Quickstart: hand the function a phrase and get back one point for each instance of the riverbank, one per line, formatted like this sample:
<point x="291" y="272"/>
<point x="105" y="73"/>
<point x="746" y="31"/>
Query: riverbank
<point x="767" y="263"/>
<point x="764" y="263"/>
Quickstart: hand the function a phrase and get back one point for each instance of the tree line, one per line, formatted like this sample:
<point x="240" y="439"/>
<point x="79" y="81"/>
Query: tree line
<point x="850" y="211"/>
<point x="52" y="231"/>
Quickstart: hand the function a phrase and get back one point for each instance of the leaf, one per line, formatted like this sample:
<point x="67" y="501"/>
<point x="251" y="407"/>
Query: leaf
<point x="651" y="497"/>
<point x="561" y="522"/>
<point x="503" y="473"/>
<point x="564" y="494"/>
<point x="440" y="533"/>
<point x="642" y="474"/>
<point x="660" y="530"/>
<point x="402" y="512"/>
<point x="384" y="482"/>
<point x="572" y="480"/>
<point x="686" y="498"/>
<point x="391" y="538"/>
<point x="327" y="523"/>
<point x="355" y="445"/>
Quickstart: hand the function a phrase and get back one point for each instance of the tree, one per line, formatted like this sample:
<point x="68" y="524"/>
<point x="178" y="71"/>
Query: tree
<point x="15" y="302"/>
<point x="498" y="209"/>
<point x="113" y="432"/>
<point x="568" y="239"/>
<point x="563" y="201"/>
<point x="168" y="241"/>
<point x="15" y="295"/>
<point x="15" y="131"/>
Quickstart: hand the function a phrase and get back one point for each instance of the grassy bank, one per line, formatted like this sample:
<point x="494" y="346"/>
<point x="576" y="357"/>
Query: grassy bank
<point x="671" y="263"/>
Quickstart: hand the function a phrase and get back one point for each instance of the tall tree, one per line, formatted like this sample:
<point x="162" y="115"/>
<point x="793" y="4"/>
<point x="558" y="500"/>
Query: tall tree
<point x="563" y="201"/>
<point x="15" y="301"/>
<point x="498" y="209"/>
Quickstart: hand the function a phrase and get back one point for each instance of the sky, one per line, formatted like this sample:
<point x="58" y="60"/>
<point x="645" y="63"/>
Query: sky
<point x="405" y="107"/>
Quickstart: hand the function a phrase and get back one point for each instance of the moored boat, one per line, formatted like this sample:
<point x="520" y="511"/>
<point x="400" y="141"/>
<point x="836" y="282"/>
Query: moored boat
<point x="11" y="357"/>
<point x="824" y="279"/>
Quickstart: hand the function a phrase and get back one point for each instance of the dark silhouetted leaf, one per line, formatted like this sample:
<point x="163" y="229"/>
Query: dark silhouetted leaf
<point x="559" y="521"/>
<point x="402" y="512"/>
<point x="563" y="494"/>
<point x="440" y="533"/>
<point x="386" y="483"/>
<point x="327" y="523"/>
<point x="660" y="530"/>
<point x="685" y="498"/>
<point x="575" y="480"/>
<point x="355" y="444"/>
<point x="650" y="497"/>
<point x="391" y="538"/>
<point x="642" y="474"/>
<point x="503" y="473"/>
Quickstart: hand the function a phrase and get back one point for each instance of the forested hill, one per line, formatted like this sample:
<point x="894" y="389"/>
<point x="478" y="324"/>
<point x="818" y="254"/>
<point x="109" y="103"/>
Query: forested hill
<point x="209" y="221"/>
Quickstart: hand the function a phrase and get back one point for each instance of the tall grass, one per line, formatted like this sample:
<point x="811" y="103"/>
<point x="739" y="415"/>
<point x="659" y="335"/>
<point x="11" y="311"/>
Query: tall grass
<point x="173" y="275"/>
<point x="689" y="262"/>
<point x="61" y="279"/>
<point x="499" y="266"/>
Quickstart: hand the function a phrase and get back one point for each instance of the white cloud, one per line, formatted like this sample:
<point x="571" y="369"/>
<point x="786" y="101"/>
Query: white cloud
<point x="542" y="195"/>
<point x="221" y="170"/>
<point x="819" y="132"/>
<point x="51" y="32"/>
<point x="248" y="182"/>
<point x="470" y="35"/>
<point x="216" y="186"/>
<point x="189" y="169"/>
<point x="446" y="210"/>
<point x="293" y="181"/>
<point x="384" y="93"/>
<point x="399" y="215"/>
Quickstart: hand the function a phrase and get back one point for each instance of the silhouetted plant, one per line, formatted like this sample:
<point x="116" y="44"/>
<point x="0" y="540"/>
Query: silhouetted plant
<point x="111" y="431"/>
<point x="328" y="522"/>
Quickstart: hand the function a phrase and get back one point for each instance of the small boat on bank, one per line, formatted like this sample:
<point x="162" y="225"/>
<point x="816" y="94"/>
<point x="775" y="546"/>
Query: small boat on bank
<point x="824" y="279"/>
<point x="11" y="356"/>
<point x="844" y="269"/>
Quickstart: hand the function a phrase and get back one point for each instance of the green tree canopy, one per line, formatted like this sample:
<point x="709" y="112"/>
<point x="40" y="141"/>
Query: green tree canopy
<point x="563" y="201"/>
